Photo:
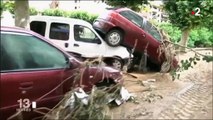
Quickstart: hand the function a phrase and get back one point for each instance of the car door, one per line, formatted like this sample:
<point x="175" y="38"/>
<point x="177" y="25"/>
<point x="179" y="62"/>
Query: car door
<point x="154" y="38"/>
<point x="86" y="42"/>
<point x="31" y="70"/>
<point x="134" y="31"/>
<point x="59" y="33"/>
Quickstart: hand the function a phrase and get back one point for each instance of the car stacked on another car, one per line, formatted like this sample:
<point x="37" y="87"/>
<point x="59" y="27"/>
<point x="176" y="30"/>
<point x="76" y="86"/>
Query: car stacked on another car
<point x="79" y="38"/>
<point x="122" y="26"/>
<point x="33" y="69"/>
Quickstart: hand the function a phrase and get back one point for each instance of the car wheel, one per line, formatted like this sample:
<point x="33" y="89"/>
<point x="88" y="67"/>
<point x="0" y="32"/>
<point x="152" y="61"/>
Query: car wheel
<point x="117" y="63"/>
<point x="114" y="38"/>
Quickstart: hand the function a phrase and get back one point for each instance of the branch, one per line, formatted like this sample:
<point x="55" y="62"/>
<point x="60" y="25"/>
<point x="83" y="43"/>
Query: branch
<point x="186" y="47"/>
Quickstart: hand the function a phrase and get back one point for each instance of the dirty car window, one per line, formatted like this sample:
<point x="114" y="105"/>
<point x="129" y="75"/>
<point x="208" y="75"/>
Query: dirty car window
<point x="59" y="31"/>
<point x="84" y="34"/>
<point x="133" y="17"/>
<point x="152" y="30"/>
<point x="23" y="52"/>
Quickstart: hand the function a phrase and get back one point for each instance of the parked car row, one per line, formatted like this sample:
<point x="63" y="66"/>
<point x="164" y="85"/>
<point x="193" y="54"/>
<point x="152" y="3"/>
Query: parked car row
<point x="32" y="66"/>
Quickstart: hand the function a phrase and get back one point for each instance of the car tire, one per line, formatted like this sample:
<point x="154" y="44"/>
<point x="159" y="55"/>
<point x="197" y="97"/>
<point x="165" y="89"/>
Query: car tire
<point x="114" y="38"/>
<point x="117" y="63"/>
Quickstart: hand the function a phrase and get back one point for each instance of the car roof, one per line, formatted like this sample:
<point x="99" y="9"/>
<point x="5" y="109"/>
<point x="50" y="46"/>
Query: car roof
<point x="17" y="29"/>
<point x="27" y="31"/>
<point x="57" y="18"/>
<point x="119" y="9"/>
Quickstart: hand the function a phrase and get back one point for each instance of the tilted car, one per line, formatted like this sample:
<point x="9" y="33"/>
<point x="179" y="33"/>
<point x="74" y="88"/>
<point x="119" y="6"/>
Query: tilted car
<point x="33" y="69"/>
<point x="122" y="26"/>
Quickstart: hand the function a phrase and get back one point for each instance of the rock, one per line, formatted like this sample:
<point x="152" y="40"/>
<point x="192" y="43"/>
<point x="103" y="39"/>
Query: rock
<point x="148" y="82"/>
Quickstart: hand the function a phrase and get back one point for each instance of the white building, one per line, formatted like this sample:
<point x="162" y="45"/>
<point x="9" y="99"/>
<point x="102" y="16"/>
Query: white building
<point x="154" y="11"/>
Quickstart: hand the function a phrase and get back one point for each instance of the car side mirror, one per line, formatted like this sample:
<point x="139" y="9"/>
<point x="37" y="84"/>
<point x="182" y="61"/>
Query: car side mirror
<point x="72" y="63"/>
<point x="69" y="63"/>
<point x="97" y="40"/>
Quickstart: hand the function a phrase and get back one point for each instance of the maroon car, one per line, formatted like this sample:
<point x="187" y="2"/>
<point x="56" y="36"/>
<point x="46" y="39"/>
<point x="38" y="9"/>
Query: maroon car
<point x="35" y="73"/>
<point x="122" y="26"/>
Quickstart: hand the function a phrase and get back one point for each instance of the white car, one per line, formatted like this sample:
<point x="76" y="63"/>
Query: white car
<point x="78" y="37"/>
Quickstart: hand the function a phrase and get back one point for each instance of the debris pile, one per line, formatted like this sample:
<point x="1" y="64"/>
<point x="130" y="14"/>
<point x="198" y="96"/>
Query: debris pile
<point x="79" y="105"/>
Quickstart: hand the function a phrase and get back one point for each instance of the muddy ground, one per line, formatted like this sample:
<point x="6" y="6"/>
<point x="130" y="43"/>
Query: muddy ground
<point x="189" y="97"/>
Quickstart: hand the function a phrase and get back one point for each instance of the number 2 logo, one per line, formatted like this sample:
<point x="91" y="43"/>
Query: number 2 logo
<point x="197" y="11"/>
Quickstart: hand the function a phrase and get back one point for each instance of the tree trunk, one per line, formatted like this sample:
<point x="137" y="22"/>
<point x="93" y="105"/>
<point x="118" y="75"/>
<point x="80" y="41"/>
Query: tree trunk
<point x="184" y="39"/>
<point x="21" y="13"/>
<point x="54" y="4"/>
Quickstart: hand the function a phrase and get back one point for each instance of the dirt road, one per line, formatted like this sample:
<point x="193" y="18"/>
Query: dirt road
<point x="190" y="97"/>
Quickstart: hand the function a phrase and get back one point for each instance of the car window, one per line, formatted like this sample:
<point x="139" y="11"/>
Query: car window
<point x="59" y="31"/>
<point x="133" y="17"/>
<point x="83" y="33"/>
<point x="25" y="52"/>
<point x="152" y="30"/>
<point x="38" y="27"/>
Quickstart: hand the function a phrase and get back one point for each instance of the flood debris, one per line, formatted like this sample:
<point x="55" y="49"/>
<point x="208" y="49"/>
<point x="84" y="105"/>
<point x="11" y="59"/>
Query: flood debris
<point x="125" y="95"/>
<point x="151" y="97"/>
<point x="148" y="82"/>
<point x="139" y="112"/>
<point x="77" y="104"/>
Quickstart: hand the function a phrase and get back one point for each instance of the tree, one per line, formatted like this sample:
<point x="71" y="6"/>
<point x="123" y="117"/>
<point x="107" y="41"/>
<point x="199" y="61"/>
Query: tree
<point x="7" y="5"/>
<point x="182" y="14"/>
<point x="54" y="4"/>
<point x="132" y="4"/>
<point x="21" y="13"/>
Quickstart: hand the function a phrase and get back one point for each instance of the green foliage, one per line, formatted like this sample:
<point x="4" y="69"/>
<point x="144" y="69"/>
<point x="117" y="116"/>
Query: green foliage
<point x="180" y="13"/>
<point x="199" y="37"/>
<point x="74" y="14"/>
<point x="8" y="5"/>
<point x="132" y="4"/>
<point x="33" y="11"/>
<point x="54" y="12"/>
<point x="208" y="58"/>
<point x="173" y="31"/>
<point x="83" y="16"/>
<point x="186" y="64"/>
<point x="189" y="63"/>
<point x="1" y="7"/>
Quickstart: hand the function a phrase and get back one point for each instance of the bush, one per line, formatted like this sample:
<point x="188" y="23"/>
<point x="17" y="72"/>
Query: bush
<point x="199" y="37"/>
<point x="73" y="14"/>
<point x="173" y="32"/>
<point x="10" y="6"/>
<point x="33" y="11"/>
<point x="54" y="12"/>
